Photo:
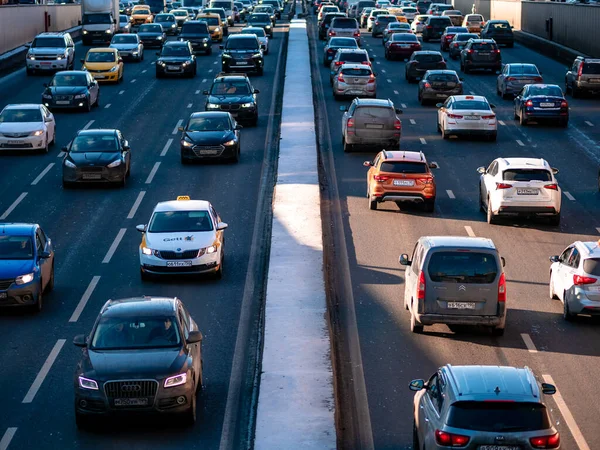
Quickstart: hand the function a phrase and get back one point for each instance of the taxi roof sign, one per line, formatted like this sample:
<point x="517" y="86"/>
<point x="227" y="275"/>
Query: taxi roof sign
<point x="183" y="197"/>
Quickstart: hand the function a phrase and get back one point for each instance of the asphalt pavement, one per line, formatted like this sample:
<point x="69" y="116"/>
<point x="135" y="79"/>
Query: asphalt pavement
<point x="536" y="335"/>
<point x="93" y="231"/>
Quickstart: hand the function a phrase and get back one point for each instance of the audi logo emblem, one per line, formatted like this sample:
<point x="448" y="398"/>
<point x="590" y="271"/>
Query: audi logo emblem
<point x="131" y="388"/>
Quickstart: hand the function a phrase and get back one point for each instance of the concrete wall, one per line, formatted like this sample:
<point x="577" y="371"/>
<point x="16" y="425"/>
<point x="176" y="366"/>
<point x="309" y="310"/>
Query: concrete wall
<point x="466" y="6"/>
<point x="507" y="10"/>
<point x="20" y="24"/>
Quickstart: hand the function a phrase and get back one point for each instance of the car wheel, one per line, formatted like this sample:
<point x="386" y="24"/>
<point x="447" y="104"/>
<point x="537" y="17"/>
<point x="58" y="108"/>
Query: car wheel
<point x="415" y="327"/>
<point x="491" y="217"/>
<point x="144" y="275"/>
<point x="522" y="119"/>
<point x="574" y="91"/>
<point x="415" y="444"/>
<point x="53" y="137"/>
<point x="236" y="157"/>
<point x="510" y="45"/>
<point x="515" y="115"/>
<point x="88" y="106"/>
<point x="50" y="285"/>
<point x="481" y="206"/>
<point x="37" y="307"/>
<point x="184" y="160"/>
<point x="372" y="203"/>
<point x="492" y="137"/>
<point x="497" y="331"/>
<point x="566" y="311"/>
<point x="30" y="72"/>
<point x="555" y="220"/>
<point x="209" y="51"/>
<point x="564" y="123"/>
<point x="123" y="182"/>
<point x="46" y="148"/>
<point x="189" y="417"/>
<point x="553" y="295"/>
<point x="219" y="271"/>
<point x="347" y="147"/>
<point x="444" y="134"/>
<point x="429" y="205"/>
<point x="261" y="71"/>
<point x="97" y="103"/>
<point x="142" y="56"/>
<point x="66" y="185"/>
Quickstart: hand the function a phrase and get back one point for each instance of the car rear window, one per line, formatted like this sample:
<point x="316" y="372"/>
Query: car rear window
<point x="428" y="58"/>
<point x="330" y="16"/>
<point x="344" y="23"/>
<point x="387" y="19"/>
<point x="474" y="18"/>
<point x="409" y="10"/>
<point x="500" y="26"/>
<point x="440" y="21"/>
<point x="592" y="266"/>
<point x="462" y="267"/>
<point x="471" y="104"/>
<point x="523" y="69"/>
<point x="353" y="57"/>
<point x="343" y="42"/>
<point x="444" y="7"/>
<point x="357" y="72"/>
<point x="452" y="12"/>
<point x="527" y="175"/>
<point x="442" y="77"/>
<point x="404" y="167"/>
<point x="404" y="37"/>
<point x="498" y="416"/>
<point x="374" y="112"/>
<point x="483" y="46"/>
<point x="591" y="68"/>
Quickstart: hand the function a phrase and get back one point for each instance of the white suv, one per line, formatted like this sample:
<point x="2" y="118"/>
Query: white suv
<point x="51" y="51"/>
<point x="575" y="279"/>
<point x="519" y="186"/>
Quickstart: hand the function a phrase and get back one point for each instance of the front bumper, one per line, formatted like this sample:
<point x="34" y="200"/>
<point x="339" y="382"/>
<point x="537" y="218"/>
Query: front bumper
<point x="52" y="64"/>
<point x="23" y="295"/>
<point x="65" y="104"/>
<point x="432" y="94"/>
<point x="168" y="69"/>
<point x="546" y="113"/>
<point x="105" y="76"/>
<point x="207" y="263"/>
<point x="130" y="55"/>
<point x="26" y="143"/>
<point x="94" y="174"/>
<point x="96" y="36"/>
<point x="249" y="65"/>
<point x="202" y="152"/>
<point x="216" y="35"/>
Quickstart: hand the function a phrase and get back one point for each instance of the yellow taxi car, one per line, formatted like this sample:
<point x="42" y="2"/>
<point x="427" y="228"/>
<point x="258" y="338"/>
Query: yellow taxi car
<point x="399" y="14"/>
<point x="104" y="64"/>
<point x="215" y="26"/>
<point x="141" y="14"/>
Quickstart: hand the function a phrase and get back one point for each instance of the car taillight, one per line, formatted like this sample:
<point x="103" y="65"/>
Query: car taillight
<point x="350" y="123"/>
<point x="397" y="124"/>
<point x="421" y="289"/>
<point x="331" y="33"/>
<point x="497" y="51"/>
<point x="538" y="79"/>
<point x="450" y="439"/>
<point x="371" y="79"/>
<point x="416" y="44"/>
<point x="339" y="63"/>
<point x="356" y="33"/>
<point x="425" y="180"/>
<point x="454" y="116"/>
<point x="503" y="186"/>
<point x="456" y="44"/>
<point x="426" y="84"/>
<point x="578" y="280"/>
<point x="552" y="186"/>
<point x="502" y="289"/>
<point x="510" y="78"/>
<point x="470" y="50"/>
<point x="429" y="27"/>
<point x="528" y="103"/>
<point x="449" y="37"/>
<point x="341" y="78"/>
<point x="381" y="178"/>
<point x="552" y="441"/>
<point x="580" y="71"/>
<point x="564" y="104"/>
<point x="493" y="116"/>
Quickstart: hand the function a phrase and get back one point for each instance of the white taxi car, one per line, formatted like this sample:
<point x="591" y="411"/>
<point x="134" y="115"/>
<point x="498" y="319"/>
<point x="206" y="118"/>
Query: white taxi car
<point x="469" y="115"/>
<point x="27" y="127"/>
<point x="519" y="186"/>
<point x="183" y="237"/>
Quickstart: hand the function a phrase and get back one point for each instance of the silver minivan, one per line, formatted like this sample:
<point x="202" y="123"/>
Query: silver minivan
<point x="455" y="280"/>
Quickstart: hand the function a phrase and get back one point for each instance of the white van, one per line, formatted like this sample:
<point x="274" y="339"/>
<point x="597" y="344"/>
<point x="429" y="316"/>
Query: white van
<point x="227" y="5"/>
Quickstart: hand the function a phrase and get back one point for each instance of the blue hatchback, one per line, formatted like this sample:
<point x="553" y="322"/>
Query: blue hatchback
<point x="541" y="102"/>
<point x="26" y="265"/>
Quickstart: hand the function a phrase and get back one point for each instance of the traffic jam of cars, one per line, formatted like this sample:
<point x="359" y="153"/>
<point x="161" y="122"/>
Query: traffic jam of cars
<point x="143" y="354"/>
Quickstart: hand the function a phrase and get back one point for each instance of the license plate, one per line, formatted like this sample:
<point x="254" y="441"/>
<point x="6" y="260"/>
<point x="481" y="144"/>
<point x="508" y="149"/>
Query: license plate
<point x="208" y="152"/>
<point x="376" y="126"/>
<point x="173" y="68"/>
<point x="471" y="117"/>
<point x="484" y="54"/>
<point x="131" y="402"/>
<point x="92" y="176"/>
<point x="16" y="142"/>
<point x="546" y="105"/>
<point x="179" y="264"/>
<point x="527" y="192"/>
<point x="99" y="77"/>
<point x="498" y="447"/>
<point x="404" y="45"/>
<point x="62" y="102"/>
<point x="404" y="182"/>
<point x="594" y="80"/>
<point x="3" y="294"/>
<point x="441" y="95"/>
<point x="591" y="289"/>
<point x="461" y="305"/>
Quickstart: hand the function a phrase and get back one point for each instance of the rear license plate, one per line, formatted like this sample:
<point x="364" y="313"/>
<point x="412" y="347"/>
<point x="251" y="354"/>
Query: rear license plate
<point x="16" y="142"/>
<point x="3" y="294"/>
<point x="498" y="447"/>
<point x="484" y="54"/>
<point x="92" y="176"/>
<point x="546" y="105"/>
<point x="404" y="45"/>
<point x="441" y="95"/>
<point x="594" y="80"/>
<point x="376" y="126"/>
<point x="461" y="305"/>
<point x="527" y="192"/>
<point x="131" y="402"/>
<point x="591" y="289"/>
<point x="62" y="102"/>
<point x="471" y="117"/>
<point x="173" y="68"/>
<point x="404" y="182"/>
<point x="179" y="264"/>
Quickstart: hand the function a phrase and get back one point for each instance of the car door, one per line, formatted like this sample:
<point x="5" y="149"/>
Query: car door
<point x="411" y="274"/>
<point x="429" y="412"/>
<point x="50" y="122"/>
<point x="125" y="151"/>
<point x="488" y="181"/>
<point x="570" y="74"/>
<point x="567" y="271"/>
<point x="45" y="264"/>
<point x="561" y="268"/>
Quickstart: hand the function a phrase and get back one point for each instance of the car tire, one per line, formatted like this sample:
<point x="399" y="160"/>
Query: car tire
<point x="372" y="203"/>
<point x="184" y="160"/>
<point x="325" y="63"/>
<point x="145" y="276"/>
<point x="555" y="220"/>
<point x="552" y="294"/>
<point x="66" y="185"/>
<point x="50" y="285"/>
<point x="209" y="51"/>
<point x="236" y="157"/>
<point x="189" y="417"/>
<point x="510" y="45"/>
<point x="429" y="205"/>
<point x="261" y="71"/>
<point x="566" y="311"/>
<point x="563" y="123"/>
<point x="123" y="182"/>
<point x="445" y="135"/>
<point x="415" y="327"/>
<point x="97" y="103"/>
<point x="219" y="271"/>
<point x="46" y="148"/>
<point x="347" y="147"/>
<point x="490" y="216"/>
<point x="481" y="206"/>
<point x="515" y="115"/>
<point x="30" y="72"/>
<point x="574" y="91"/>
<point x="39" y="304"/>
<point x="522" y="119"/>
<point x="82" y="422"/>
<point x="88" y="106"/>
<point x="415" y="444"/>
<point x="53" y="137"/>
<point x="493" y="137"/>
<point x="497" y="331"/>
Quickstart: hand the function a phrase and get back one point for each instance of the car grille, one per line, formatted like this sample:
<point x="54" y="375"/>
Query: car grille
<point x="130" y="388"/>
<point x="16" y="135"/>
<point x="229" y="107"/>
<point x="5" y="284"/>
<point x="208" y="150"/>
<point x="63" y="97"/>
<point x="91" y="169"/>
<point x="46" y="57"/>
<point x="96" y="71"/>
<point x="188" y="254"/>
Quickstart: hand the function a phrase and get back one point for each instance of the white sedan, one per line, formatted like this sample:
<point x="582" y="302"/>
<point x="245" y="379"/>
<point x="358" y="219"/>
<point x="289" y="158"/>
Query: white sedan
<point x="27" y="127"/>
<point x="469" y="115"/>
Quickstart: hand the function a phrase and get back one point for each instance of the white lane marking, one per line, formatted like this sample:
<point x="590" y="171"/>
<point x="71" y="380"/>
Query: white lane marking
<point x="198" y="91"/>
<point x="189" y="105"/>
<point x="520" y="143"/>
<point x="144" y="71"/>
<point x="209" y="70"/>
<point x="566" y="413"/>
<point x="587" y="122"/>
<point x="436" y="163"/>
<point x="598" y="230"/>
<point x="215" y="62"/>
<point x="203" y="81"/>
<point x="501" y="123"/>
<point x="41" y="175"/>
<point x="8" y="435"/>
<point x="403" y="105"/>
<point x="389" y="81"/>
<point x="378" y="62"/>
<point x="121" y="92"/>
<point x="39" y="379"/>
<point x="107" y="105"/>
<point x="89" y="124"/>
<point x="166" y="147"/>
<point x="179" y="123"/>
<point x="136" y="205"/>
<point x="113" y="247"/>
<point x="84" y="299"/>
<point x="13" y="206"/>
<point x="450" y="193"/>
<point x="397" y="93"/>
<point x="469" y="231"/>
<point x="471" y="92"/>
<point x="412" y="122"/>
<point x="569" y="196"/>
<point x="153" y="62"/>
<point x="383" y="71"/>
<point x="133" y="81"/>
<point x="423" y="141"/>
<point x="152" y="173"/>
<point x="60" y="155"/>
<point x="528" y="343"/>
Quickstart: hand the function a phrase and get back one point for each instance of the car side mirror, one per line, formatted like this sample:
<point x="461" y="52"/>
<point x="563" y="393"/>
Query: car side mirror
<point x="403" y="260"/>
<point x="433" y="165"/>
<point x="548" y="389"/>
<point x="238" y="127"/>
<point x="398" y="110"/>
<point x="368" y="163"/>
<point x="205" y="92"/>
<point x="48" y="119"/>
<point x="492" y="106"/>
<point x="503" y="261"/>
<point x="179" y="128"/>
<point x="221" y="47"/>
<point x="481" y="170"/>
<point x="121" y="59"/>
<point x="65" y="149"/>
<point x="221" y="226"/>
<point x="416" y="385"/>
<point x="141" y="228"/>
<point x="554" y="170"/>
<point x="79" y="341"/>
<point x="554" y="258"/>
<point x="44" y="255"/>
<point x="45" y="84"/>
<point x="256" y="91"/>
<point x="194" y="337"/>
<point x="82" y="60"/>
<point x="439" y="105"/>
<point x="343" y="108"/>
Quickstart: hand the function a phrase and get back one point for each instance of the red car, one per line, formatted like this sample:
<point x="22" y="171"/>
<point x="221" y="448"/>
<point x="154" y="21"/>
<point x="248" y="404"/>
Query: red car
<point x="401" y="45"/>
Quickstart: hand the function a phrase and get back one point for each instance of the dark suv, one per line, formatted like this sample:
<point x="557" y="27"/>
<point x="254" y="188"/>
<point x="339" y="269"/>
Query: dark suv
<point x="199" y="36"/>
<point x="234" y="94"/>
<point x="176" y="58"/>
<point x="242" y="52"/>
<point x="422" y="61"/>
<point x="500" y="31"/>
<point x="480" y="54"/>
<point x="435" y="26"/>
<point x="583" y="76"/>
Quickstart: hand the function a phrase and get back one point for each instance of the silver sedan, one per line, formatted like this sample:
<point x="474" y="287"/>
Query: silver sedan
<point x="516" y="75"/>
<point x="356" y="80"/>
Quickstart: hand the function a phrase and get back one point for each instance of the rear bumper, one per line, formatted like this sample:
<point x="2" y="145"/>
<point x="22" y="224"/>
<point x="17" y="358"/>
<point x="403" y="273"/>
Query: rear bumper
<point x="387" y="143"/>
<point x="545" y="114"/>
<point x="527" y="210"/>
<point x="431" y="319"/>
<point x="471" y="132"/>
<point x="579" y="303"/>
<point x="434" y="95"/>
<point x="483" y="64"/>
<point x="410" y="197"/>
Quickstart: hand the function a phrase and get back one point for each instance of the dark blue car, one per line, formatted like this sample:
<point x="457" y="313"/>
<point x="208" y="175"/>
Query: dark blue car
<point x="541" y="102"/>
<point x="26" y="265"/>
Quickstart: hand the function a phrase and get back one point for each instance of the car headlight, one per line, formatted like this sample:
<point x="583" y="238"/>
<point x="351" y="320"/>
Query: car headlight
<point x="114" y="69"/>
<point x="229" y="17"/>
<point x="181" y="39"/>
<point x="161" y="63"/>
<point x="109" y="31"/>
<point x="212" y="106"/>
<point x="86" y="383"/>
<point x="186" y="63"/>
<point x="31" y="57"/>
<point x="85" y="32"/>
<point x="226" y="56"/>
<point x="59" y="57"/>
<point x="176" y="380"/>
<point x="80" y="96"/>
<point x="37" y="133"/>
<point x="48" y="96"/>
<point x="70" y="164"/>
<point x="147" y="251"/>
<point x="247" y="105"/>
<point x="135" y="53"/>
<point x="115" y="163"/>
<point x="228" y="143"/>
<point x="159" y="38"/>
<point x="24" y="279"/>
<point x="187" y="143"/>
<point x="257" y="55"/>
<point x="173" y="25"/>
<point x="268" y="27"/>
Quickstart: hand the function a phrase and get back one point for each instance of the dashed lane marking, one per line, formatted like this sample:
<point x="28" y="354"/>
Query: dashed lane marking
<point x="41" y="175"/>
<point x="107" y="105"/>
<point x="136" y="205"/>
<point x="13" y="206"/>
<point x="378" y="62"/>
<point x="89" y="124"/>
<point x="210" y="70"/>
<point x="39" y="379"/>
<point x="501" y="123"/>
<point x="203" y="81"/>
<point x="569" y="196"/>
<point x="133" y="81"/>
<point x="396" y="92"/>
<point x="60" y="154"/>
<point x="198" y="91"/>
<point x="389" y="81"/>
<point x="469" y="231"/>
<point x="152" y="173"/>
<point x="412" y="122"/>
<point x="587" y="122"/>
<point x="528" y="343"/>
<point x="144" y="71"/>
<point x="471" y="92"/>
<point x="383" y="71"/>
<point x="403" y="105"/>
<point x="114" y="246"/>
<point x="121" y="92"/>
<point x="423" y="141"/>
<point x="84" y="299"/>
<point x="450" y="193"/>
<point x="520" y="143"/>
<point x="166" y="147"/>
<point x="176" y="129"/>
<point x="8" y="435"/>
<point x="189" y="105"/>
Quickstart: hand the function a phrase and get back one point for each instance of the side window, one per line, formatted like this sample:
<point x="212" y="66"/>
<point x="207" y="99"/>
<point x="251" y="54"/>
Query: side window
<point x="564" y="257"/>
<point x="377" y="159"/>
<point x="575" y="66"/>
<point x="38" y="243"/>
<point x="448" y="102"/>
<point x="433" y="392"/>
<point x="416" y="264"/>
<point x="214" y="215"/>
<point x="352" y="109"/>
<point x="574" y="258"/>
<point x="40" y="236"/>
<point x="506" y="71"/>
<point x="184" y="324"/>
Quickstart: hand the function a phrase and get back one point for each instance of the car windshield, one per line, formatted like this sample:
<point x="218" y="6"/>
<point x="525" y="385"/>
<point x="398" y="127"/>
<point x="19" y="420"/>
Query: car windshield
<point x="20" y="115"/>
<point x="339" y="22"/>
<point x="124" y="39"/>
<point x="165" y="18"/>
<point x="498" y="416"/>
<point x="179" y="13"/>
<point x="428" y="58"/>
<point x="387" y="19"/>
<point x="180" y="222"/>
<point x="483" y="46"/>
<point x="142" y="11"/>
<point x="136" y="332"/>
<point x="442" y="77"/>
<point x="527" y="175"/>
<point x="100" y="57"/>
<point x="94" y="143"/>
<point x="260" y="32"/>
<point x="89" y="19"/>
<point x="343" y="42"/>
<point x="175" y="50"/>
<point x="462" y="267"/>
<point x="194" y="28"/>
<point x="404" y="167"/>
<point x="398" y="26"/>
<point x="15" y="247"/>
<point x="476" y="105"/>
<point x="259" y="18"/>
<point x="48" y="43"/>
<point x="149" y="28"/>
<point x="210" y="20"/>
<point x="230" y="88"/>
<point x="69" y="80"/>
<point x="590" y="68"/>
<point x="404" y="37"/>
<point x="209" y="124"/>
<point x="241" y="44"/>
<point x="553" y="91"/>
<point x="357" y="72"/>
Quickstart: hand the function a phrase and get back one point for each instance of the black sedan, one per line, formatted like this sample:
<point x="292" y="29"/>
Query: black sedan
<point x="210" y="135"/>
<point x="143" y="356"/>
<point x="101" y="156"/>
<point x="152" y="35"/>
<point x="71" y="89"/>
<point x="176" y="58"/>
<point x="334" y="44"/>
<point x="233" y="93"/>
<point x="261" y="20"/>
<point x="541" y="102"/>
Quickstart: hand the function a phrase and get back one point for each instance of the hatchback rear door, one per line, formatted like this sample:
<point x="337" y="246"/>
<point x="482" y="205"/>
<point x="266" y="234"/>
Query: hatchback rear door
<point x="374" y="122"/>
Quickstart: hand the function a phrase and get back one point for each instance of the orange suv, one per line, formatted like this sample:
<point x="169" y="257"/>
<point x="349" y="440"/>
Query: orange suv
<point x="400" y="176"/>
